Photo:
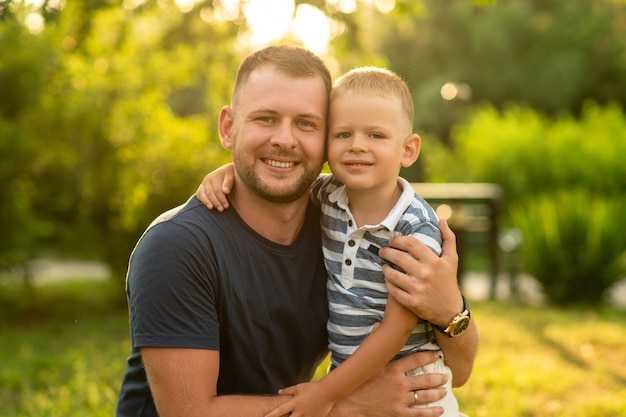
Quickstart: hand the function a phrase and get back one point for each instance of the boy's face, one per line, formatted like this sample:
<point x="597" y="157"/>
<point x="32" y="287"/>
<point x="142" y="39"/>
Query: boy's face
<point x="367" y="140"/>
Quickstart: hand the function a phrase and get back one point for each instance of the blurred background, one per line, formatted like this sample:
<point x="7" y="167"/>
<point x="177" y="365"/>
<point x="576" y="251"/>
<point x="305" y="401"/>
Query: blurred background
<point x="108" y="117"/>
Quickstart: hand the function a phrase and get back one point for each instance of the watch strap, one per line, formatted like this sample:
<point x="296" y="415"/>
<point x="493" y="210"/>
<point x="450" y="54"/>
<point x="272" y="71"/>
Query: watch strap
<point x="462" y="316"/>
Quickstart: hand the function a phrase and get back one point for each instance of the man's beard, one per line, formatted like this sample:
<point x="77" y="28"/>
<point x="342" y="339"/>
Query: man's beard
<point x="281" y="194"/>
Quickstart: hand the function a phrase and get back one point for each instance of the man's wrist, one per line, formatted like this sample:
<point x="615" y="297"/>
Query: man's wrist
<point x="458" y="324"/>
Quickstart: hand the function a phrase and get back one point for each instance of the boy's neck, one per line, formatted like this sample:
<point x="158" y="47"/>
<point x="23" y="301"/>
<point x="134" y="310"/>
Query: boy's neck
<point x="370" y="207"/>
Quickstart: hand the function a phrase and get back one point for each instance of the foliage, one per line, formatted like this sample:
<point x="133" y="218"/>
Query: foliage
<point x="571" y="238"/>
<point x="528" y="152"/>
<point x="572" y="244"/>
<point x="506" y="51"/>
<point x="108" y="112"/>
<point x="69" y="358"/>
<point x="106" y="125"/>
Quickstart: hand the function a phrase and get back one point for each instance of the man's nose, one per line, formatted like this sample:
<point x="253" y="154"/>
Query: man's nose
<point x="284" y="135"/>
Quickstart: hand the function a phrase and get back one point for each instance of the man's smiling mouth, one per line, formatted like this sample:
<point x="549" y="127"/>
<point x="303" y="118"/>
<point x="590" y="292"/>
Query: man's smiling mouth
<point x="279" y="164"/>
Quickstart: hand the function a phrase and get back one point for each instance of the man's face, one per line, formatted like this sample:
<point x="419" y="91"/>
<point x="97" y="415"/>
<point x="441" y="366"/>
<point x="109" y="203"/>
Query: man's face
<point x="278" y="133"/>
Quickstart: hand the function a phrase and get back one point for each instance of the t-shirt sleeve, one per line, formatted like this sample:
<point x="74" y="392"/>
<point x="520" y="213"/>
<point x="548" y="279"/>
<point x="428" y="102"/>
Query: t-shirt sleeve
<point x="172" y="291"/>
<point x="430" y="235"/>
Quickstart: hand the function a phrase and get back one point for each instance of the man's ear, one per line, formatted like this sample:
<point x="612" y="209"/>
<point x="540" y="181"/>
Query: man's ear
<point x="411" y="152"/>
<point x="226" y="125"/>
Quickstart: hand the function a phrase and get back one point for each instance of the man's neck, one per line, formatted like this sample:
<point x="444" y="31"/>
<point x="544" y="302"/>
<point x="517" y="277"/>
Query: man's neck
<point x="280" y="223"/>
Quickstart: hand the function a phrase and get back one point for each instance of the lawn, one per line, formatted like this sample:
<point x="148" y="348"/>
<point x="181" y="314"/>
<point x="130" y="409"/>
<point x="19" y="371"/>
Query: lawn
<point x="63" y="353"/>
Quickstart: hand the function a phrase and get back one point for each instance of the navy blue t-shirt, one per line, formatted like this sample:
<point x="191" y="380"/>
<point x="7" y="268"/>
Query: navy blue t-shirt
<point x="204" y="279"/>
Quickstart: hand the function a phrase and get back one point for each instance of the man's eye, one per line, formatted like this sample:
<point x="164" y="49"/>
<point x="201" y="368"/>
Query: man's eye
<point x="305" y="124"/>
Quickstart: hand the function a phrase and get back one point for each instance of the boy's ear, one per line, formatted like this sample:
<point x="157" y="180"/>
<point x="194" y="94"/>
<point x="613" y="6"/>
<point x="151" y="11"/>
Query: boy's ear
<point x="412" y="145"/>
<point x="225" y="123"/>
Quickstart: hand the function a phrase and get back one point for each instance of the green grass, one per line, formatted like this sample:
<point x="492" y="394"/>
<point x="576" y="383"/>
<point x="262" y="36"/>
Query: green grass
<point x="63" y="353"/>
<point x="547" y="362"/>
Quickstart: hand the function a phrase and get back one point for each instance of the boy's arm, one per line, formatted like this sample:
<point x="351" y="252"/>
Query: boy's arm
<point x="375" y="352"/>
<point x="430" y="289"/>
<point x="385" y="341"/>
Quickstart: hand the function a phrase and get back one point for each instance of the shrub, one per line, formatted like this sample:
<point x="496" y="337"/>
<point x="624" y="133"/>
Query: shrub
<point x="573" y="244"/>
<point x="572" y="238"/>
<point x="526" y="152"/>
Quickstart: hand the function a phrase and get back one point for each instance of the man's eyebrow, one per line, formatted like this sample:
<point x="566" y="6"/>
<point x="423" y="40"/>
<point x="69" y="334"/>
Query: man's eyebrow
<point x="264" y="111"/>
<point x="311" y="116"/>
<point x="301" y="115"/>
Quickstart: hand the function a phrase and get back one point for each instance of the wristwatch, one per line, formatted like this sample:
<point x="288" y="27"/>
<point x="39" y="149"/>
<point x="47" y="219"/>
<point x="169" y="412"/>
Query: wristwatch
<point x="458" y="324"/>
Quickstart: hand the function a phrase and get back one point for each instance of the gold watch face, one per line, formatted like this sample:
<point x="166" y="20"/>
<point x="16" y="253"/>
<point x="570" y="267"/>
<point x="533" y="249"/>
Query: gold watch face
<point x="459" y="326"/>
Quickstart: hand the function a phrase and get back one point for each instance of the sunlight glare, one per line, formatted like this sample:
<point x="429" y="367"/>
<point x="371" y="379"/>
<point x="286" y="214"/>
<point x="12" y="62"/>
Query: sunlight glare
<point x="225" y="9"/>
<point x="35" y="23"/>
<point x="37" y="4"/>
<point x="345" y="6"/>
<point x="312" y="27"/>
<point x="269" y="20"/>
<point x="185" y="6"/>
<point x="55" y="5"/>
<point x="385" y="6"/>
<point x="449" y="91"/>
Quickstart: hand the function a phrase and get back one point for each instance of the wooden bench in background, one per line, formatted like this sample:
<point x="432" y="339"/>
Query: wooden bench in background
<point x="472" y="211"/>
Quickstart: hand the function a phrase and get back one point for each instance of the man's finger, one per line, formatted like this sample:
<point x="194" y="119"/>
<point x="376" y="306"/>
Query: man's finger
<point x="429" y="396"/>
<point x="417" y="360"/>
<point x="448" y="247"/>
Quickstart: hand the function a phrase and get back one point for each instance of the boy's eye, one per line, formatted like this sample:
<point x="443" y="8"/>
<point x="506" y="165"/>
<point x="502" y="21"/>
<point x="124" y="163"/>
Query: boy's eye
<point x="343" y="135"/>
<point x="376" y="136"/>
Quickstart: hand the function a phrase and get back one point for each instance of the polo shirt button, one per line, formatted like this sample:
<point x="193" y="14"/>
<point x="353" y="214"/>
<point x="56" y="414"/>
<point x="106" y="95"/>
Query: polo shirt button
<point x="348" y="262"/>
<point x="351" y="243"/>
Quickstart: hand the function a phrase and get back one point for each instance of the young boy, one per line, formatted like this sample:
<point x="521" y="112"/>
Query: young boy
<point x="364" y="204"/>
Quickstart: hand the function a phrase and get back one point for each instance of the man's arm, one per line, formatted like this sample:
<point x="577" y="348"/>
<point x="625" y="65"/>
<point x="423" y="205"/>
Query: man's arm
<point x="183" y="383"/>
<point x="460" y="353"/>
<point x="430" y="289"/>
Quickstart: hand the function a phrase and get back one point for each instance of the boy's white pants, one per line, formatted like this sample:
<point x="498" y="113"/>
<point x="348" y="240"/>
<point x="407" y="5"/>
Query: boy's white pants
<point x="449" y="402"/>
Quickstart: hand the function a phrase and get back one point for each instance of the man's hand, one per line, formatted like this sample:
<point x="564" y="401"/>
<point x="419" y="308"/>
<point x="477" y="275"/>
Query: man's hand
<point x="391" y="392"/>
<point x="429" y="288"/>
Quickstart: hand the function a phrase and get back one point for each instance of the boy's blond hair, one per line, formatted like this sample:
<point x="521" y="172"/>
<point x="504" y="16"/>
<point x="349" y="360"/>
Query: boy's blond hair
<point x="379" y="81"/>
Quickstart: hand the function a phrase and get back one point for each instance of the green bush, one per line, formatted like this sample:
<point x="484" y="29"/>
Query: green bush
<point x="527" y="152"/>
<point x="572" y="244"/>
<point x="571" y="237"/>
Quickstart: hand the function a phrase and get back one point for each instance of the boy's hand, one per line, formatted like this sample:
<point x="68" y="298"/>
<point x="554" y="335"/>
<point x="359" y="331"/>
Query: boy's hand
<point x="309" y="400"/>
<point x="215" y="186"/>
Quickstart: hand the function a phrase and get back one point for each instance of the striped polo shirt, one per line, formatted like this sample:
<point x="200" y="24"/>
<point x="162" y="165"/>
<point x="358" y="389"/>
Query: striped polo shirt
<point x="356" y="289"/>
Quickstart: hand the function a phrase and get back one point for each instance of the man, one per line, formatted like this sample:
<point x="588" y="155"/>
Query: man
<point x="226" y="308"/>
